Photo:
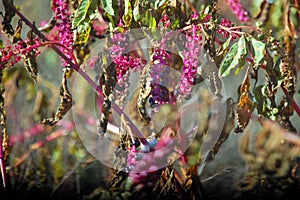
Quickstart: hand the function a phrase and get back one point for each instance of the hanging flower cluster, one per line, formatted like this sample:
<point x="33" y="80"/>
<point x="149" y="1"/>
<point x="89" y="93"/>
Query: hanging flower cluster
<point x="238" y="9"/>
<point x="123" y="62"/>
<point x="64" y="25"/>
<point x="13" y="54"/>
<point x="161" y="61"/>
<point x="190" y="61"/>
<point x="160" y="68"/>
<point x="131" y="158"/>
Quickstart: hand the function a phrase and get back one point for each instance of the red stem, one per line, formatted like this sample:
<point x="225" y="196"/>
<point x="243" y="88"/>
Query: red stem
<point x="294" y="104"/>
<point x="56" y="43"/>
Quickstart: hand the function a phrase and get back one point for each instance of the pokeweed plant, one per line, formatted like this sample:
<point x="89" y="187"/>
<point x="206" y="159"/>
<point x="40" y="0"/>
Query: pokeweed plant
<point x="76" y="25"/>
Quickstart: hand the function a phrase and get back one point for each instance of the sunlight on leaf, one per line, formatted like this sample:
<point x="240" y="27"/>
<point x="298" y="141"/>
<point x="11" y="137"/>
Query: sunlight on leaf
<point x="81" y="13"/>
<point x="259" y="48"/>
<point x="234" y="57"/>
<point x="107" y="5"/>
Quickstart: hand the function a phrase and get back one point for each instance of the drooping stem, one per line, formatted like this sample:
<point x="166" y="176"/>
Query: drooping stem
<point x="76" y="67"/>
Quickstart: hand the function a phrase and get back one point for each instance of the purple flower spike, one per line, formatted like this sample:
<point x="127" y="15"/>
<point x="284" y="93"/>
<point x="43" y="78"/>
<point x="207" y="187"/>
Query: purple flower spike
<point x="238" y="10"/>
<point x="62" y="15"/>
<point x="190" y="62"/>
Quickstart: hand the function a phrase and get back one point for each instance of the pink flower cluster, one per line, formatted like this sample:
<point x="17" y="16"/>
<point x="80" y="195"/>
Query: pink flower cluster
<point x="120" y="44"/>
<point x="131" y="158"/>
<point x="166" y="22"/>
<point x="227" y="23"/>
<point x="124" y="63"/>
<point x="238" y="10"/>
<point x="65" y="33"/>
<point x="13" y="54"/>
<point x="190" y="62"/>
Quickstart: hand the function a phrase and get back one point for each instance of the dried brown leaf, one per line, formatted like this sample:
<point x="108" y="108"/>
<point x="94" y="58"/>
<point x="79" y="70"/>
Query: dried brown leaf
<point x="65" y="102"/>
<point x="7" y="18"/>
<point x="245" y="105"/>
<point x="108" y="82"/>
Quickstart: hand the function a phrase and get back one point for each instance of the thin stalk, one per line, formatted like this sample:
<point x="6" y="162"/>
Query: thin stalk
<point x="2" y="165"/>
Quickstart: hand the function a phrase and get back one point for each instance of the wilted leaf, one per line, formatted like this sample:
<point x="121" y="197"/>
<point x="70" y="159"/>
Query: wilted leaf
<point x="65" y="102"/>
<point x="108" y="82"/>
<point x="31" y="65"/>
<point x="9" y="14"/>
<point x="17" y="32"/>
<point x="259" y="49"/>
<point x="234" y="57"/>
<point x="245" y="105"/>
<point x="227" y="128"/>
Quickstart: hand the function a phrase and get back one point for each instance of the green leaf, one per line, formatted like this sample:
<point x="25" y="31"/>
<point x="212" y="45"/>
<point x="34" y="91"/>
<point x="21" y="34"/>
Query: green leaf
<point x="241" y="66"/>
<point x="107" y="5"/>
<point x="136" y="11"/>
<point x="226" y="65"/>
<point x="159" y="3"/>
<point x="260" y="99"/>
<point x="1" y="44"/>
<point x="81" y="12"/>
<point x="152" y="23"/>
<point x="83" y="34"/>
<point x="127" y="17"/>
<point x="87" y="11"/>
<point x="259" y="49"/>
<point x="234" y="57"/>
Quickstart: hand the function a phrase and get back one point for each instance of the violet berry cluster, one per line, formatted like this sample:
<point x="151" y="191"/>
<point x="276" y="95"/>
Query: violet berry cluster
<point x="160" y="68"/>
<point x="148" y="158"/>
<point x="11" y="55"/>
<point x="64" y="25"/>
<point x="161" y="61"/>
<point x="238" y="9"/>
